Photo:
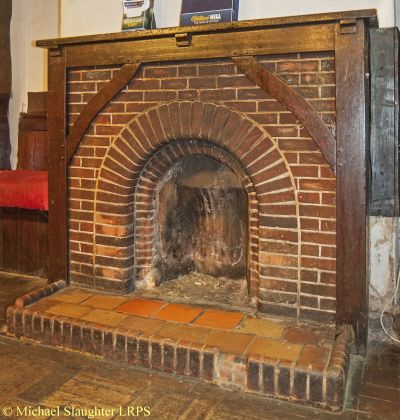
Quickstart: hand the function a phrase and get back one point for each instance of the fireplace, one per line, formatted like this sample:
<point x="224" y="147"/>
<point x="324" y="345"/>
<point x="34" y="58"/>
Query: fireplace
<point x="202" y="220"/>
<point x="288" y="231"/>
<point x="131" y="123"/>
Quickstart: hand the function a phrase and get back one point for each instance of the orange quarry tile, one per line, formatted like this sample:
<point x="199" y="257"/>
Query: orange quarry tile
<point x="316" y="357"/>
<point x="99" y="316"/>
<point x="105" y="301"/>
<point x="44" y="304"/>
<point x="300" y="335"/>
<point x="229" y="342"/>
<point x="178" y="313"/>
<point x="183" y="331"/>
<point x="219" y="319"/>
<point x="140" y="324"/>
<point x="141" y="307"/>
<point x="72" y="295"/>
<point x="261" y="327"/>
<point x="275" y="349"/>
<point x="71" y="310"/>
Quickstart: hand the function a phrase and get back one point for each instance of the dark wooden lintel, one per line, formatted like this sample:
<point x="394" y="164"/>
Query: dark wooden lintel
<point x="369" y="15"/>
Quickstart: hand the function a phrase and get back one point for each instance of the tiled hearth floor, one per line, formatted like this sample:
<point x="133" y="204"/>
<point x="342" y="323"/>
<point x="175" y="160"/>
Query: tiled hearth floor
<point x="271" y="356"/>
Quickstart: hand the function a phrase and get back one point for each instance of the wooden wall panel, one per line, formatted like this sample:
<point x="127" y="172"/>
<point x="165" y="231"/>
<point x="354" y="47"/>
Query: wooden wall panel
<point x="384" y="147"/>
<point x="23" y="241"/>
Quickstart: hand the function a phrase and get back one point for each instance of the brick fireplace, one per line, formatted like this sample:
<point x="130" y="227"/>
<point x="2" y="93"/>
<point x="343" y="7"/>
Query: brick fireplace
<point x="171" y="111"/>
<point x="129" y="112"/>
<point x="199" y="163"/>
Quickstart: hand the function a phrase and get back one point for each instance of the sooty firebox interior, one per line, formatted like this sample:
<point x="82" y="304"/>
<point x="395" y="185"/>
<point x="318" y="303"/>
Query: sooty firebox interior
<point x="201" y="234"/>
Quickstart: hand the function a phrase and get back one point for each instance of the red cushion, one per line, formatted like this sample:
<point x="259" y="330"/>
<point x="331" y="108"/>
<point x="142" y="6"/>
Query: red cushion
<point x="24" y="189"/>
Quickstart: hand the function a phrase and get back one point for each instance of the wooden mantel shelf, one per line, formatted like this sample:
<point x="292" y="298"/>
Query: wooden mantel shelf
<point x="369" y="15"/>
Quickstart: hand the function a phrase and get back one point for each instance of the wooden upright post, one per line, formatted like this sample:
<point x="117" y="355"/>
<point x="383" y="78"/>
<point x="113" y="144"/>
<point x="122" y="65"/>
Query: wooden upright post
<point x="58" y="254"/>
<point x="352" y="145"/>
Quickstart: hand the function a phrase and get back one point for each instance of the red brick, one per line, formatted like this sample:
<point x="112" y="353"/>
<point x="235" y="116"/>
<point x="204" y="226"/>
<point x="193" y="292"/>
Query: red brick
<point x="329" y="252"/>
<point x="188" y="71"/>
<point x="309" y="198"/>
<point x="312" y="250"/>
<point x="279" y="247"/>
<point x="217" y="94"/>
<point x="252" y="93"/>
<point x="234" y="81"/>
<point x="279" y="272"/>
<point x="162" y="72"/>
<point x="283" y="131"/>
<point x="318" y="211"/>
<point x="96" y="75"/>
<point x="328" y="278"/>
<point x="297" y="66"/>
<point x="318" y="79"/>
<point x="179" y="83"/>
<point x="159" y="96"/>
<point x="318" y="185"/>
<point x="309" y="275"/>
<point x="318" y="289"/>
<point x="271" y="105"/>
<point x="202" y="83"/>
<point x="216" y="69"/>
<point x="315" y="158"/>
<point x="319" y="238"/>
<point x="280" y="197"/>
<point x="328" y="225"/>
<point x="321" y="264"/>
<point x="278" y="234"/>
<point x="82" y="87"/>
<point x="284" y="286"/>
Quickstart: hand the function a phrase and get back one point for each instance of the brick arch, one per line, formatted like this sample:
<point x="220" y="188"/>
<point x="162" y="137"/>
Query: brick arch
<point x="145" y="204"/>
<point x="246" y="141"/>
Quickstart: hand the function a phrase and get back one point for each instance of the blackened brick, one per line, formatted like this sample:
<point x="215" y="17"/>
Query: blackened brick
<point x="253" y="375"/>
<point x="181" y="359"/>
<point x="268" y="372"/>
<point x="194" y="363"/>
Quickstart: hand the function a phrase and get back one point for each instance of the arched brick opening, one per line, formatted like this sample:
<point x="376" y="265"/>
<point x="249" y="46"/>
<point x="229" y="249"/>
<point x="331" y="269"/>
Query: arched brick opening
<point x="145" y="205"/>
<point x="262" y="165"/>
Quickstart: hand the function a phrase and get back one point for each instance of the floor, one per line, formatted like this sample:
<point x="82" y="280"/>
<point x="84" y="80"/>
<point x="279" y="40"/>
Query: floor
<point x="33" y="375"/>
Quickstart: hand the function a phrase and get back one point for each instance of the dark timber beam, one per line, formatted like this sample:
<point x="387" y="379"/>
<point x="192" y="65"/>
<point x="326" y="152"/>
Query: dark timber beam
<point x="294" y="102"/>
<point x="58" y="248"/>
<point x="96" y="104"/>
<point x="352" y="145"/>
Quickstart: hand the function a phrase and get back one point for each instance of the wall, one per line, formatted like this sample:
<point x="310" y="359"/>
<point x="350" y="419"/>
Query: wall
<point x="31" y="20"/>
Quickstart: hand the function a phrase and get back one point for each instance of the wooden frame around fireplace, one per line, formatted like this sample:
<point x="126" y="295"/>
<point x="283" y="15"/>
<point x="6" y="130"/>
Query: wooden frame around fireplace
<point x="345" y="34"/>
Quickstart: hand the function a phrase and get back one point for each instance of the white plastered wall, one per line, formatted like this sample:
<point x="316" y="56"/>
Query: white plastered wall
<point x="31" y="20"/>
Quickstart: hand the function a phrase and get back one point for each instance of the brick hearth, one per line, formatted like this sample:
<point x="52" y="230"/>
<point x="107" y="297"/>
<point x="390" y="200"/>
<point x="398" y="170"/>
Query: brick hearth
<point x="297" y="361"/>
